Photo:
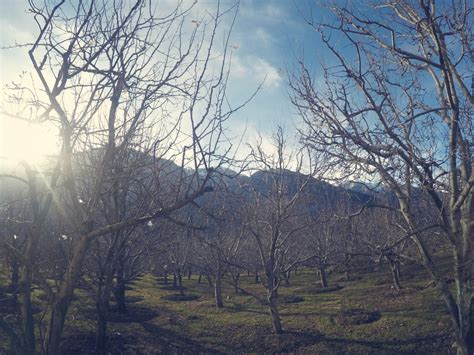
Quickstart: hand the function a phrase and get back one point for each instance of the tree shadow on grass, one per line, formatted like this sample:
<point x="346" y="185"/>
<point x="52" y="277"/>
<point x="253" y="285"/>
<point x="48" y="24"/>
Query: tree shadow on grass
<point x="83" y="342"/>
<point x="173" y="342"/>
<point x="291" y="340"/>
<point x="136" y="313"/>
<point x="294" y="340"/>
<point x="421" y="344"/>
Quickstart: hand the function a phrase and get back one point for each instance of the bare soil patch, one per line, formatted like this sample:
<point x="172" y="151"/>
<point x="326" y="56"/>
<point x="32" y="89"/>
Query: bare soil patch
<point x="292" y="299"/>
<point x="356" y="317"/>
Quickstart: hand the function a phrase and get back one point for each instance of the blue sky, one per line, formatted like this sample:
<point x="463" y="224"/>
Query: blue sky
<point x="268" y="34"/>
<point x="267" y="38"/>
<point x="271" y="36"/>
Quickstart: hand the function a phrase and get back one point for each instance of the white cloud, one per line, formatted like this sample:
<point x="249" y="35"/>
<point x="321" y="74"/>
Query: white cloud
<point x="267" y="73"/>
<point x="256" y="69"/>
<point x="238" y="68"/>
<point x="264" y="37"/>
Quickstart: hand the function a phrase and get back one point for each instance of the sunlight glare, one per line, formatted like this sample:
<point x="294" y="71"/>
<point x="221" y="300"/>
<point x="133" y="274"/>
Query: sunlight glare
<point x="26" y="141"/>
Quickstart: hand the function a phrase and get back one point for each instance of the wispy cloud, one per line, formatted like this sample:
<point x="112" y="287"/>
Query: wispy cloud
<point x="267" y="73"/>
<point x="265" y="11"/>
<point x="264" y="36"/>
<point x="257" y="70"/>
<point x="273" y="10"/>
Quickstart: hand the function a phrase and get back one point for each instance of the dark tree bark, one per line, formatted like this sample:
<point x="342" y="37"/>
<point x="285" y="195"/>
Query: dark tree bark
<point x="209" y="280"/>
<point x="218" y="290"/>
<point x="236" y="282"/>
<point x="395" y="271"/>
<point x="272" y="297"/>
<point x="323" y="276"/>
<point x="119" y="290"/>
<point x="104" y="291"/>
<point x="26" y="311"/>
<point x="180" y="284"/>
<point x="15" y="278"/>
<point x="347" y="271"/>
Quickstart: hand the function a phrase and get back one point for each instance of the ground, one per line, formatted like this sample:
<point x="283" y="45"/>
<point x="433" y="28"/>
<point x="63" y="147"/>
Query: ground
<point x="411" y="321"/>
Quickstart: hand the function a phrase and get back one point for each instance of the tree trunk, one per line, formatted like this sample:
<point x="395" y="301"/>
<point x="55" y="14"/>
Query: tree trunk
<point x="102" y="304"/>
<point x="236" y="283"/>
<point x="274" y="312"/>
<point x="102" y="307"/>
<point x="347" y="260"/>
<point x="189" y="274"/>
<point x="101" y="331"/>
<point x="286" y="276"/>
<point x="458" y="304"/>
<point x="464" y="331"/>
<point x="27" y="320"/>
<point x="395" y="270"/>
<point x="218" y="290"/>
<point x="120" y="289"/>
<point x="63" y="298"/>
<point x="272" y="284"/>
<point x="464" y="259"/>
<point x="119" y="294"/>
<point x="323" y="276"/>
<point x="209" y="281"/>
<point x="25" y="279"/>
<point x="56" y="325"/>
<point x="200" y="277"/>
<point x="166" y="278"/>
<point x="257" y="278"/>
<point x="15" y="278"/>
<point x="180" y="284"/>
<point x="175" y="280"/>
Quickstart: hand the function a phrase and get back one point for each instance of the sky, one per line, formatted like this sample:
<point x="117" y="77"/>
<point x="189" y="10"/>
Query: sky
<point x="267" y="38"/>
<point x="271" y="37"/>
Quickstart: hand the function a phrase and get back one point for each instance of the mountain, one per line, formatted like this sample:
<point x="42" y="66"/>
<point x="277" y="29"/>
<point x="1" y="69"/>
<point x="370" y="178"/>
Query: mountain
<point x="165" y="174"/>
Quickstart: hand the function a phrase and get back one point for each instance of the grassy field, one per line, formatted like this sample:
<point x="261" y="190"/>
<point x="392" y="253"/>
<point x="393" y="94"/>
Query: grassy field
<point x="412" y="321"/>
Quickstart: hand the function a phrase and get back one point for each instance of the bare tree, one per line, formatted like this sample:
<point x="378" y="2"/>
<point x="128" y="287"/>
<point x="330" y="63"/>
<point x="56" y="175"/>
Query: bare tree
<point x="112" y="77"/>
<point x="220" y="243"/>
<point x="271" y="213"/>
<point x="179" y="250"/>
<point x="321" y="242"/>
<point x="378" y="232"/>
<point x="396" y="106"/>
<point x="15" y="221"/>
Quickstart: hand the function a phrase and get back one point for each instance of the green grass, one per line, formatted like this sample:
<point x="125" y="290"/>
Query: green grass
<point x="412" y="321"/>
